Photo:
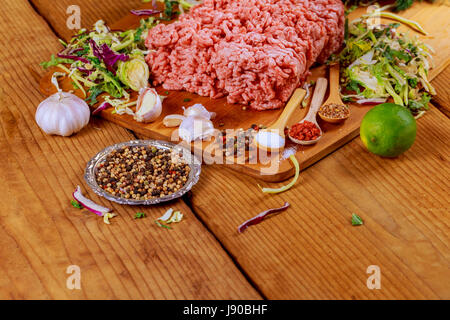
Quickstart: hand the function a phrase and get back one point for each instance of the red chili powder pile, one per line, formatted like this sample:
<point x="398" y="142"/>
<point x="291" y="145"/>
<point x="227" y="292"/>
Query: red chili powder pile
<point x="305" y="131"/>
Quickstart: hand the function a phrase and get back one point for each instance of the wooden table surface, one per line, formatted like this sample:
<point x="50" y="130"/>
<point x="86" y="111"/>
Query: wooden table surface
<point x="310" y="251"/>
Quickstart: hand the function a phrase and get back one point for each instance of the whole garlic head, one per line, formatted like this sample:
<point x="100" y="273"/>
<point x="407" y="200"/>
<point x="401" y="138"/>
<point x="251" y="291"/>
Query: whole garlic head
<point x="62" y="114"/>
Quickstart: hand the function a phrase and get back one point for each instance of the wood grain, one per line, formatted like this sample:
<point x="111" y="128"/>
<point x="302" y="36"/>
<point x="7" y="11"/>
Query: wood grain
<point x="232" y="116"/>
<point x="311" y="251"/>
<point x="442" y="99"/>
<point x="41" y="234"/>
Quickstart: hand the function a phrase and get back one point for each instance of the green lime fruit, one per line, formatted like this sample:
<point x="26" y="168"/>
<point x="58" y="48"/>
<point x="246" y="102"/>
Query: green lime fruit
<point x="388" y="130"/>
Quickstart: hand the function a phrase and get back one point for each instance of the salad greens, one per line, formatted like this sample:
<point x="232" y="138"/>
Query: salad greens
<point x="399" y="4"/>
<point x="378" y="63"/>
<point x="105" y="61"/>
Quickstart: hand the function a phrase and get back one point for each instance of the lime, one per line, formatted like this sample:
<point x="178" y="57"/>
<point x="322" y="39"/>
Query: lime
<point x="388" y="130"/>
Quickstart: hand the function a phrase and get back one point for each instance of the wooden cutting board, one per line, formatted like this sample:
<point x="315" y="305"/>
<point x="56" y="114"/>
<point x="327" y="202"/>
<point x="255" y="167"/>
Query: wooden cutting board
<point x="433" y="18"/>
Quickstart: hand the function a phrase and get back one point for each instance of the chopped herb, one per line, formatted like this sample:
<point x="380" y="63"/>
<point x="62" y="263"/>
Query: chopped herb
<point x="187" y="100"/>
<point x="94" y="92"/>
<point x="356" y="220"/>
<point x="139" y="215"/>
<point x="76" y="204"/>
<point x="166" y="93"/>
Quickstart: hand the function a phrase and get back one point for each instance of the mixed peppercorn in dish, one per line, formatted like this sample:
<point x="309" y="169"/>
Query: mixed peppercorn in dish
<point x="142" y="173"/>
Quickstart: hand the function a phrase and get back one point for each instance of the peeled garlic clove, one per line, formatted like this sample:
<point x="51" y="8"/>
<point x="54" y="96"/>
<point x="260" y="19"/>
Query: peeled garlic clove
<point x="195" y="128"/>
<point x="198" y="110"/>
<point x="149" y="106"/>
<point x="173" y="120"/>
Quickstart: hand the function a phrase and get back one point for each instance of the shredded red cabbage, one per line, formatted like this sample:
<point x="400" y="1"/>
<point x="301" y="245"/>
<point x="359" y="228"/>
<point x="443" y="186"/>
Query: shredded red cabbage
<point x="144" y="12"/>
<point x="108" y="56"/>
<point x="70" y="54"/>
<point x="260" y="217"/>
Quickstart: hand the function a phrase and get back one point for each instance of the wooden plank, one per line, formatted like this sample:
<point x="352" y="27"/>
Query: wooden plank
<point x="41" y="234"/>
<point x="442" y="98"/>
<point x="311" y="251"/>
<point x="55" y="12"/>
<point x="232" y="116"/>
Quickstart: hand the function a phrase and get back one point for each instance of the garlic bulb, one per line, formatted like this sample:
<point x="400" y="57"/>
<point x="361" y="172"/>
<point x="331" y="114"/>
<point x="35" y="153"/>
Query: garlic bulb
<point x="149" y="106"/>
<point x="198" y="110"/>
<point x="62" y="114"/>
<point x="195" y="128"/>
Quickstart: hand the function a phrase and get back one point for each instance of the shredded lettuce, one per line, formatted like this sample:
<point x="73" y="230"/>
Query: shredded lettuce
<point x="378" y="62"/>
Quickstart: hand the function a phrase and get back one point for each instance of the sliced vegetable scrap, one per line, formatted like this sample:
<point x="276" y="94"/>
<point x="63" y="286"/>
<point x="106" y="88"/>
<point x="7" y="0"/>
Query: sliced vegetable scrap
<point x="140" y="215"/>
<point x="411" y="23"/>
<point x="170" y="216"/>
<point x="288" y="186"/>
<point x="92" y="206"/>
<point x="108" y="216"/>
<point x="159" y="224"/>
<point x="76" y="204"/>
<point x="260" y="217"/>
<point x="356" y="220"/>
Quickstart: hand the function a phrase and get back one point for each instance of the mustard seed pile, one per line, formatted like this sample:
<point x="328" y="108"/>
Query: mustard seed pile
<point x="334" y="111"/>
<point x="142" y="173"/>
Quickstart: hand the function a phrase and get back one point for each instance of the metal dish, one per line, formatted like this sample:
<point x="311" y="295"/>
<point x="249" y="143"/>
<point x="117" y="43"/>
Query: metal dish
<point x="186" y="155"/>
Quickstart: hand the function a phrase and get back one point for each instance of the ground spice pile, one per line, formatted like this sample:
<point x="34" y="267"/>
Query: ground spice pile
<point x="305" y="131"/>
<point x="142" y="173"/>
<point x="334" y="111"/>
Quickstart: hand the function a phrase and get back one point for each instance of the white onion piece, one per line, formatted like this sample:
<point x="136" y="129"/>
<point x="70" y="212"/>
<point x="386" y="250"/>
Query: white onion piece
<point x="166" y="216"/>
<point x="89" y="204"/>
<point x="198" y="110"/>
<point x="195" y="128"/>
<point x="372" y="101"/>
<point x="149" y="105"/>
<point x="366" y="59"/>
<point x="173" y="120"/>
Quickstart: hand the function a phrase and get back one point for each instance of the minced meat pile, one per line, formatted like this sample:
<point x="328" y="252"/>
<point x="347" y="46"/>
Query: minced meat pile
<point x="254" y="52"/>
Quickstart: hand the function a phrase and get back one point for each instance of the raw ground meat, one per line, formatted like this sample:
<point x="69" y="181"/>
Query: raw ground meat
<point x="255" y="52"/>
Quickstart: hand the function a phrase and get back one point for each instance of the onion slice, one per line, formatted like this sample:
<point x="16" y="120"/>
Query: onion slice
<point x="102" y="107"/>
<point x="372" y="101"/>
<point x="89" y="204"/>
<point x="144" y="12"/>
<point x="260" y="217"/>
